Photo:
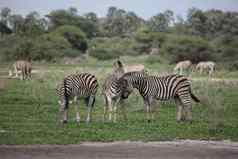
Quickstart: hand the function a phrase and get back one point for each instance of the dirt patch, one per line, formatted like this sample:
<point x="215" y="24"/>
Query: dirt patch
<point x="133" y="150"/>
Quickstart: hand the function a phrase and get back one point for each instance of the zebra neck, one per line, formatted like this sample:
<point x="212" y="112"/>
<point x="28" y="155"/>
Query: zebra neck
<point x="139" y="83"/>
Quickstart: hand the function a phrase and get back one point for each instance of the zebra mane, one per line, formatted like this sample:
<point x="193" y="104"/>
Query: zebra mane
<point x="135" y="74"/>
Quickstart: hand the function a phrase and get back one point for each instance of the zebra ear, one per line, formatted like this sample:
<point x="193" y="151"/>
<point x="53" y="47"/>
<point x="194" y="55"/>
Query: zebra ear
<point x="119" y="63"/>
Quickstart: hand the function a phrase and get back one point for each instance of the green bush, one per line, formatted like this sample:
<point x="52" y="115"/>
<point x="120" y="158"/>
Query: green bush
<point x="73" y="35"/>
<point x="145" y="40"/>
<point x="48" y="47"/>
<point x="109" y="48"/>
<point x="104" y="54"/>
<point x="153" y="59"/>
<point x="178" y="48"/>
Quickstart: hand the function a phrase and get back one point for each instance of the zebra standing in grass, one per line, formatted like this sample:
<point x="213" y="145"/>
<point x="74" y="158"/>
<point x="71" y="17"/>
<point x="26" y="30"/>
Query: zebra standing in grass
<point x="23" y="67"/>
<point x="175" y="87"/>
<point x="77" y="86"/>
<point x="112" y="92"/>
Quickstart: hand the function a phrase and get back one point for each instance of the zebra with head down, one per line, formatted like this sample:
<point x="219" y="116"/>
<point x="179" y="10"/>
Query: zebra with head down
<point x="83" y="85"/>
<point x="153" y="88"/>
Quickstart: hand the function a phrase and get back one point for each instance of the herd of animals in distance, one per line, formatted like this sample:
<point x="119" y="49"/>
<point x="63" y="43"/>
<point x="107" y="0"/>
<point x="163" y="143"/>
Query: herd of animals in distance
<point x="118" y="85"/>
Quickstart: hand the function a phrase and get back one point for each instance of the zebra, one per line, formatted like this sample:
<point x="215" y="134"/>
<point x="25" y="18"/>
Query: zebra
<point x="23" y="67"/>
<point x="207" y="65"/>
<point x="153" y="88"/>
<point x="83" y="85"/>
<point x="112" y="92"/>
<point x="182" y="65"/>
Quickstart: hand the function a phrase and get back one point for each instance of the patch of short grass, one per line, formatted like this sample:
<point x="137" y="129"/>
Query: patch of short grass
<point x="29" y="109"/>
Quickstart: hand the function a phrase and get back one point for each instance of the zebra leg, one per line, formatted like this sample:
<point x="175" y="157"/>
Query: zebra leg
<point x="122" y="105"/>
<point x="109" y="100"/>
<point x="186" y="101"/>
<point x="105" y="109"/>
<point x="148" y="109"/>
<point x="77" y="111"/>
<point x="90" y="106"/>
<point x="65" y="116"/>
<point x="179" y="109"/>
<point x="115" y="104"/>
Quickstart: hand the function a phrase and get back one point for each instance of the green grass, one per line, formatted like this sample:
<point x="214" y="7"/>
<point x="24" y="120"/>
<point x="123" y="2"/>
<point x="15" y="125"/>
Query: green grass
<point x="29" y="109"/>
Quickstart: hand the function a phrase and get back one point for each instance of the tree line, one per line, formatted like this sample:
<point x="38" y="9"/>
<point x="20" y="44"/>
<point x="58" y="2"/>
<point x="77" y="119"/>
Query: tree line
<point x="202" y="35"/>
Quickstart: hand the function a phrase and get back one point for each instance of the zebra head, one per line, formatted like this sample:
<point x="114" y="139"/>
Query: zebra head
<point x="126" y="88"/>
<point x="130" y="80"/>
<point x="118" y="69"/>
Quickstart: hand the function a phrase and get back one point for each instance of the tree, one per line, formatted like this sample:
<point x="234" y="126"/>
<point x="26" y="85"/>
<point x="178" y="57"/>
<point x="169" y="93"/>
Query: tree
<point x="121" y="23"/>
<point x="16" y="22"/>
<point x="161" y="22"/>
<point x="91" y="17"/>
<point x="33" y="24"/>
<point x="73" y="35"/>
<point x="5" y="14"/>
<point x="4" y="29"/>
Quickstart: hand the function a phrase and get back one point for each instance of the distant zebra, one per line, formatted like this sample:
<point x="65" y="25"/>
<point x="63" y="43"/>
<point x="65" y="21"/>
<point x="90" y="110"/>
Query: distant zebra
<point x="112" y="92"/>
<point x="182" y="66"/>
<point x="208" y="66"/>
<point x="175" y="87"/>
<point x="77" y="86"/>
<point x="23" y="67"/>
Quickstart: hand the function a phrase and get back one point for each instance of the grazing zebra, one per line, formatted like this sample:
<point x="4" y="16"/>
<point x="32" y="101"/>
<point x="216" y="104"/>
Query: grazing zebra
<point x="182" y="66"/>
<point x="23" y="67"/>
<point x="208" y="66"/>
<point x="175" y="87"/>
<point x="112" y="92"/>
<point x="77" y="86"/>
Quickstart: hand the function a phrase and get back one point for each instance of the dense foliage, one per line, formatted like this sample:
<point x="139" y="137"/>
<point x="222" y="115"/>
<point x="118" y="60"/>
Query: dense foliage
<point x="203" y="35"/>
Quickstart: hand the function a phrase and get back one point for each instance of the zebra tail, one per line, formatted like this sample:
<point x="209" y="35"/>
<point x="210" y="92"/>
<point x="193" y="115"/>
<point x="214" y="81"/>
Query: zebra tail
<point x="194" y="97"/>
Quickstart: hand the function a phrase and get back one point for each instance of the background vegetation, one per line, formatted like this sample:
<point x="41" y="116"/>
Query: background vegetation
<point x="202" y="35"/>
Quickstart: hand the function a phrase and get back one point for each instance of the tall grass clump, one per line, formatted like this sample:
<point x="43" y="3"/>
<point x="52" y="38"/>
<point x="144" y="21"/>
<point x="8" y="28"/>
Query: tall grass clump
<point x="212" y="100"/>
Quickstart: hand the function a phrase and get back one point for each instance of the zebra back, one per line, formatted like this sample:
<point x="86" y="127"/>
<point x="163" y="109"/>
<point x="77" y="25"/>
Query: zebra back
<point x="81" y="85"/>
<point x="161" y="88"/>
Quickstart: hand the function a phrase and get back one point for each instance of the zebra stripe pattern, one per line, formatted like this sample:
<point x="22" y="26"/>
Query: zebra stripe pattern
<point x="76" y="86"/>
<point x="175" y="87"/>
<point x="112" y="92"/>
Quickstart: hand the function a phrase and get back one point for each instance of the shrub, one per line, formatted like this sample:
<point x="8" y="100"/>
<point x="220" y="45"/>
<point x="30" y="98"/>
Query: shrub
<point x="109" y="48"/>
<point x="73" y="35"/>
<point x="153" y="59"/>
<point x="179" y="48"/>
<point x="104" y="54"/>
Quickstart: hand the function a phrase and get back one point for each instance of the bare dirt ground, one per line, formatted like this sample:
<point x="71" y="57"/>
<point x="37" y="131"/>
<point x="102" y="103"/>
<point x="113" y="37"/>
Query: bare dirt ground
<point x="186" y="149"/>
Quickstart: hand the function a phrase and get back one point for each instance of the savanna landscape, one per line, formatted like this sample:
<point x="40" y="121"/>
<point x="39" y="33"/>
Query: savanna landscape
<point x="65" y="42"/>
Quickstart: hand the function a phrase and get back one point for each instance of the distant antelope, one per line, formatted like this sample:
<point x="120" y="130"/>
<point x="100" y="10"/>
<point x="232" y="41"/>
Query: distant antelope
<point x="182" y="66"/>
<point x="208" y="66"/>
<point x="129" y="67"/>
<point x="22" y="67"/>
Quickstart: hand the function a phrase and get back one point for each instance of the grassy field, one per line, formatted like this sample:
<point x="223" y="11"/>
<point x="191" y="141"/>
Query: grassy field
<point x="29" y="109"/>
